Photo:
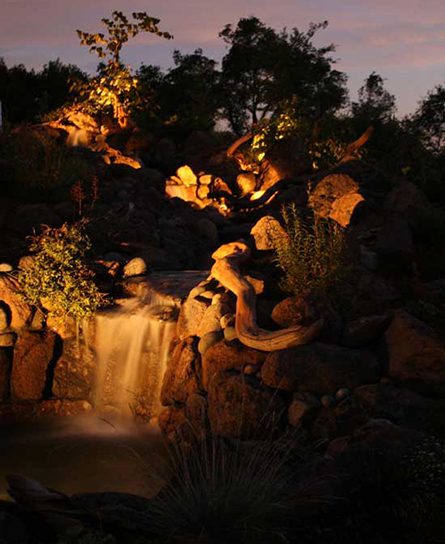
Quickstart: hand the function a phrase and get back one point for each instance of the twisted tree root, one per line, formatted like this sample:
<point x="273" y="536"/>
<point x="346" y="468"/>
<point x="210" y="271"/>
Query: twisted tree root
<point x="226" y="271"/>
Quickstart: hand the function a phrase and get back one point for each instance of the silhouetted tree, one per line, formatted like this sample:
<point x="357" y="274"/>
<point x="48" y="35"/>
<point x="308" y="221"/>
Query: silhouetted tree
<point x="429" y="119"/>
<point x="264" y="68"/>
<point x="375" y="103"/>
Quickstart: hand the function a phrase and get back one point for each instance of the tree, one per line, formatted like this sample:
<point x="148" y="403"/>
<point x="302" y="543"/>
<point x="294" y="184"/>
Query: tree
<point x="264" y="69"/>
<point x="54" y="84"/>
<point x="115" y="88"/>
<point x="375" y="103"/>
<point x="17" y="93"/>
<point x="28" y="95"/>
<point x="429" y="119"/>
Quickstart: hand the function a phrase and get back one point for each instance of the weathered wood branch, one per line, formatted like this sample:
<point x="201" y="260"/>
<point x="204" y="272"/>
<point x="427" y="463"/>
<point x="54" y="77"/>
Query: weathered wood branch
<point x="226" y="270"/>
<point x="237" y="143"/>
<point x="357" y="144"/>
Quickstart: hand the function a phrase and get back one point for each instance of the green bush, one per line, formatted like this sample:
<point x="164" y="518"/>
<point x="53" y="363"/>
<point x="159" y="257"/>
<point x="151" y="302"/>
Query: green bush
<point x="313" y="254"/>
<point x="59" y="279"/>
<point x="35" y="166"/>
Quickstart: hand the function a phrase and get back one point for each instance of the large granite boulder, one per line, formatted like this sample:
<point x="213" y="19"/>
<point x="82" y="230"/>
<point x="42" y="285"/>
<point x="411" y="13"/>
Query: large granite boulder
<point x="5" y="371"/>
<point x="33" y="354"/>
<point x="18" y="312"/>
<point x="308" y="308"/>
<point x="239" y="406"/>
<point x="74" y="372"/>
<point x="229" y="356"/>
<point x="416" y="357"/>
<point x="319" y="368"/>
<point x="183" y="375"/>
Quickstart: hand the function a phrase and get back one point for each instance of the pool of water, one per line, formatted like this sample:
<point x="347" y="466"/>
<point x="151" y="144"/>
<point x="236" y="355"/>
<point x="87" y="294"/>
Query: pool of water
<point x="89" y="454"/>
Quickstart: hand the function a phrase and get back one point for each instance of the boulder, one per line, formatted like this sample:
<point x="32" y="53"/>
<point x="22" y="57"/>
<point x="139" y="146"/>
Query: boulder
<point x="211" y="320"/>
<point x="308" y="308"/>
<point x="18" y="311"/>
<point x="183" y="374"/>
<point x="227" y="355"/>
<point x="319" y="368"/>
<point x="208" y="340"/>
<point x="74" y="372"/>
<point x="246" y="182"/>
<point x="331" y="188"/>
<point x="238" y="407"/>
<point x="33" y="353"/>
<point x="408" y="201"/>
<point x="395" y="246"/>
<point x="171" y="420"/>
<point x="135" y="267"/>
<point x="365" y="330"/>
<point x="5" y="316"/>
<point x="402" y="407"/>
<point x="288" y="158"/>
<point x="7" y="339"/>
<point x="302" y="409"/>
<point x="416" y="357"/>
<point x="5" y="371"/>
<point x="265" y="231"/>
<point x="190" y="316"/>
<point x="344" y="208"/>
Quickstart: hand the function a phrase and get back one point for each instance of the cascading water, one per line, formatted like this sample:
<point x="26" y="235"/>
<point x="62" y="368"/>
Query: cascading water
<point x="131" y="345"/>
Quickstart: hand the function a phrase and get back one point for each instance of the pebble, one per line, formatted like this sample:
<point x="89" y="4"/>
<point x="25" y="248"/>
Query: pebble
<point x="328" y="401"/>
<point x="208" y="340"/>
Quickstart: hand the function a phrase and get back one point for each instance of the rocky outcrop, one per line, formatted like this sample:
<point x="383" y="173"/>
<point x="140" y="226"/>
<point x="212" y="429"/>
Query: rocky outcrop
<point x="33" y="353"/>
<point x="239" y="406"/>
<point x="319" y="368"/>
<point x="183" y="375"/>
<point x="416" y="357"/>
<point x="308" y="308"/>
<point x="229" y="356"/>
<point x="18" y="312"/>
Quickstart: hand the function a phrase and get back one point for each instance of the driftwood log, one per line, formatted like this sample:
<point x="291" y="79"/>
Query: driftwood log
<point x="226" y="270"/>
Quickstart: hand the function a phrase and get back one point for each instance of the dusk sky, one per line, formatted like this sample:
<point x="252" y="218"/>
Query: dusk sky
<point x="402" y="40"/>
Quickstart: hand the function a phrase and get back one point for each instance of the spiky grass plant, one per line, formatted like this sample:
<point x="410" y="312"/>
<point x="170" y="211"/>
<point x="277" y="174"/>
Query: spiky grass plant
<point x="235" y="491"/>
<point x="312" y="254"/>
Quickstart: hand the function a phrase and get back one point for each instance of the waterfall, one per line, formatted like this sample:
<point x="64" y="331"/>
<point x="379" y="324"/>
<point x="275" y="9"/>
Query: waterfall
<point x="132" y="345"/>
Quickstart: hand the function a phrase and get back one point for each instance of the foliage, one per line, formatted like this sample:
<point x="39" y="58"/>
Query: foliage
<point x="27" y="95"/>
<point x="312" y="254"/>
<point x="375" y="103"/>
<point x="115" y="89"/>
<point x="58" y="277"/>
<point x="429" y="119"/>
<point x="326" y="148"/>
<point x="392" y="488"/>
<point x="79" y="535"/>
<point x="263" y="68"/>
<point x="235" y="491"/>
<point x="36" y="166"/>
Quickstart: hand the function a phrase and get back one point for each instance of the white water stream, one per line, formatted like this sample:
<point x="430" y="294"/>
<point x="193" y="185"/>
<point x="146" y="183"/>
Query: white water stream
<point x="132" y="346"/>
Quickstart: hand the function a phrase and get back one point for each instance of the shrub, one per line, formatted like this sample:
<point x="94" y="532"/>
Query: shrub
<point x="311" y="255"/>
<point x="35" y="166"/>
<point x="59" y="279"/>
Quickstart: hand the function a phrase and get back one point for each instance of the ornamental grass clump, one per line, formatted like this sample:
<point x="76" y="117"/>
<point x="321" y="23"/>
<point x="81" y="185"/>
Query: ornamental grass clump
<point x="239" y="492"/>
<point x="59" y="279"/>
<point x="312" y="254"/>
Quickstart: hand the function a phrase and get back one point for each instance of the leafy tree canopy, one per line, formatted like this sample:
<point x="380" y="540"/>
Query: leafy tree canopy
<point x="115" y="90"/>
<point x="264" y="68"/>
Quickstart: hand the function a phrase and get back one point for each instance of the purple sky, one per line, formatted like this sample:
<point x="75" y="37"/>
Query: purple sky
<point x="402" y="40"/>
